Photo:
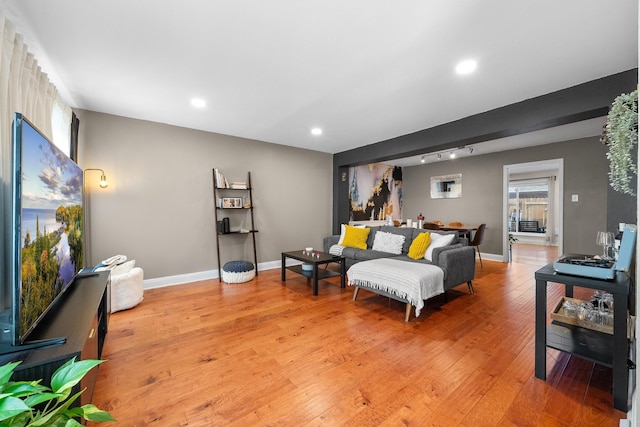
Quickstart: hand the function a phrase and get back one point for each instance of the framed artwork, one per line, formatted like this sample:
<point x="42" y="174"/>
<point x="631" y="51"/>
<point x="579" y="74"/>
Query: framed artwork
<point x="446" y="186"/>
<point x="232" y="202"/>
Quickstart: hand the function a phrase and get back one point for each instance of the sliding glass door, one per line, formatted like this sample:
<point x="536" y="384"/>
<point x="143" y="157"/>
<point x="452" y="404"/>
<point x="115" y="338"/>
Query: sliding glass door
<point x="530" y="206"/>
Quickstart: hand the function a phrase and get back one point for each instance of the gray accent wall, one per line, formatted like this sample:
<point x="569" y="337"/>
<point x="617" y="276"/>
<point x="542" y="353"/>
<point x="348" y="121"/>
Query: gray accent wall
<point x="585" y="174"/>
<point x="570" y="105"/>
<point x="158" y="208"/>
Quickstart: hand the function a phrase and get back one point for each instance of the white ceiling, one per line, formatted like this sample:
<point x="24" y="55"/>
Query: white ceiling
<point x="363" y="70"/>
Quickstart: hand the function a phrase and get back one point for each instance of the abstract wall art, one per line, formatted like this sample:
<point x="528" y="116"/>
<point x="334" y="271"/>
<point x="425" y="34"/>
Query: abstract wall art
<point x="375" y="192"/>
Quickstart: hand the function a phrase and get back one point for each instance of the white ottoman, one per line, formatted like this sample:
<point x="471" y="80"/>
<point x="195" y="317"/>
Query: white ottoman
<point x="238" y="272"/>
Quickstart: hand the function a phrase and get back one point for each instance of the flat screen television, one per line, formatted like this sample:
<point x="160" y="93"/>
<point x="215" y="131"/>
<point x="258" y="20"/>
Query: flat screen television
<point x="47" y="225"/>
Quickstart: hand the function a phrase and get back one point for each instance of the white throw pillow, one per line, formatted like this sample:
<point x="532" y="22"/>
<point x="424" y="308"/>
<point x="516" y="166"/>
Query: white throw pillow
<point x="123" y="268"/>
<point x="438" y="241"/>
<point x="388" y="242"/>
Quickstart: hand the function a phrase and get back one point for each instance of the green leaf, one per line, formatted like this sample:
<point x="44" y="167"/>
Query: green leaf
<point x="24" y="388"/>
<point x="18" y="399"/>
<point x="12" y="406"/>
<point x="41" y="398"/>
<point x="92" y="413"/>
<point x="60" y="411"/>
<point x="6" y="371"/>
<point x="70" y="374"/>
<point x="19" y="420"/>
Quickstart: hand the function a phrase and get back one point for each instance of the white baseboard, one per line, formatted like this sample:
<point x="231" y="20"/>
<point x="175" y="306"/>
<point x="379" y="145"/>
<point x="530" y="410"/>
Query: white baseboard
<point x="180" y="279"/>
<point x="491" y="257"/>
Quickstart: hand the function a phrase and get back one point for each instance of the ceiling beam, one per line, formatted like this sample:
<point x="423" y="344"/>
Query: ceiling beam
<point x="574" y="104"/>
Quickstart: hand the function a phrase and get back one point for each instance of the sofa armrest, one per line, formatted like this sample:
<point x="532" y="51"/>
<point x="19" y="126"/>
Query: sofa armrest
<point x="330" y="241"/>
<point x="459" y="264"/>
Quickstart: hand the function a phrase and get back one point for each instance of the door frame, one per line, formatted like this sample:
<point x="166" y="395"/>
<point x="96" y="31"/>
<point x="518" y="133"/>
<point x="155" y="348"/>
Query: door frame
<point x="544" y="165"/>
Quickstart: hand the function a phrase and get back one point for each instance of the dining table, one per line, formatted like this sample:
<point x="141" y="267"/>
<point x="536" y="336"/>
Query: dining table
<point x="463" y="230"/>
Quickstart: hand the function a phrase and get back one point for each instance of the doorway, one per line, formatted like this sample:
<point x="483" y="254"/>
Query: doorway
<point x="532" y="209"/>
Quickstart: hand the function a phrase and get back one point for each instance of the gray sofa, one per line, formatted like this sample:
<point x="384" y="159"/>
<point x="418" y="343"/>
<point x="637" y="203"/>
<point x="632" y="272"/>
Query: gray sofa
<point x="457" y="260"/>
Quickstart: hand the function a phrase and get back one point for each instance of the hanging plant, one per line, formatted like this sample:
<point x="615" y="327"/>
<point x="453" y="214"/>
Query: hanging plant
<point x="621" y="135"/>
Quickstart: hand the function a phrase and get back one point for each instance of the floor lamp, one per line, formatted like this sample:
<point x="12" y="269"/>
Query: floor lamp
<point x="86" y="212"/>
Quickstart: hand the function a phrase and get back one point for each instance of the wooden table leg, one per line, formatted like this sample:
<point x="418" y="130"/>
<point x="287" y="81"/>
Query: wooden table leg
<point x="407" y="312"/>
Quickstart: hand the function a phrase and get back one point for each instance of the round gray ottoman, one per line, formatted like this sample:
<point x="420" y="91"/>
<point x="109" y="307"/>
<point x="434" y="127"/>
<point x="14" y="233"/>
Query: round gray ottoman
<point x="238" y="272"/>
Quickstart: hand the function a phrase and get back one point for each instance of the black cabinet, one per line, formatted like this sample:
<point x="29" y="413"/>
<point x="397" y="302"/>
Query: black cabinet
<point x="233" y="206"/>
<point x="599" y="347"/>
<point x="81" y="316"/>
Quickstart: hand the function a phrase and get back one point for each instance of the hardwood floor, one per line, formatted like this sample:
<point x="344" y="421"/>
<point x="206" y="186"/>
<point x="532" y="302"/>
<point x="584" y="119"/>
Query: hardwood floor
<point x="268" y="353"/>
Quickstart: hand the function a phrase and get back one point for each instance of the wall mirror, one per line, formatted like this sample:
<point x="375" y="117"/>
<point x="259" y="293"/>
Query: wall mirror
<point x="446" y="186"/>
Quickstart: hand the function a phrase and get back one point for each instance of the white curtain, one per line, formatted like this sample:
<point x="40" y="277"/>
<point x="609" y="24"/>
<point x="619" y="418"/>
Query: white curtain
<point x="26" y="89"/>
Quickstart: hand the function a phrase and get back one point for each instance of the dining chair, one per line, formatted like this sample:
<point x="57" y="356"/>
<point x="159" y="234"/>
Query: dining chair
<point x="430" y="226"/>
<point x="456" y="224"/>
<point x="477" y="240"/>
<point x="437" y="221"/>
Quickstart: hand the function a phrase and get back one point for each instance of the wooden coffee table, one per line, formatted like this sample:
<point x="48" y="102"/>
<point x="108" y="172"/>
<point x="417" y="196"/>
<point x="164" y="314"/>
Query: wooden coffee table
<point x="315" y="258"/>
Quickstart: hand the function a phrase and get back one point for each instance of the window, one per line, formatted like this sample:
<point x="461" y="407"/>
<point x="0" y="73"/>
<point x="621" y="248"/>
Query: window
<point x="61" y="127"/>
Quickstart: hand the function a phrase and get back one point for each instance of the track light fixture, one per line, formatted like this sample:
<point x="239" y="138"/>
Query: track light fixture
<point x="451" y="153"/>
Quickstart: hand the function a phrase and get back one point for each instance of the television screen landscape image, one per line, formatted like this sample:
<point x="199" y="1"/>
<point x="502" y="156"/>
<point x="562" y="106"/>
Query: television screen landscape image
<point x="49" y="224"/>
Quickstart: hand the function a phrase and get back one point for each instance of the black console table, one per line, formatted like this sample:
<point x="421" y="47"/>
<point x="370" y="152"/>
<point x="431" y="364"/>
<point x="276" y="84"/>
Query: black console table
<point x="80" y="316"/>
<point x="599" y="347"/>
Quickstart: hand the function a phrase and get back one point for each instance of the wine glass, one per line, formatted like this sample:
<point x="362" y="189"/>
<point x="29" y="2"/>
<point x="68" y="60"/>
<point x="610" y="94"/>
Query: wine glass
<point x="605" y="239"/>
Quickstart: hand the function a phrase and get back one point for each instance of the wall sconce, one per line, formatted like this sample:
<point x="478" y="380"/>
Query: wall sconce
<point x="439" y="156"/>
<point x="452" y="155"/>
<point x="103" y="177"/>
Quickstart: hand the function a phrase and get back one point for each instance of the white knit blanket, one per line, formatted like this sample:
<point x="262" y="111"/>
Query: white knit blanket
<point x="411" y="281"/>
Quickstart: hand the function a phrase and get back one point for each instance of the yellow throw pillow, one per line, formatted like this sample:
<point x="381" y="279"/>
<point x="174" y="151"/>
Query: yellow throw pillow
<point x="355" y="237"/>
<point x="419" y="245"/>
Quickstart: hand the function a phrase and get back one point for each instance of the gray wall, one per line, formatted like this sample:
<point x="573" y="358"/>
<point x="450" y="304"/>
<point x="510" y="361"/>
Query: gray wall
<point x="585" y="174"/>
<point x="158" y="208"/>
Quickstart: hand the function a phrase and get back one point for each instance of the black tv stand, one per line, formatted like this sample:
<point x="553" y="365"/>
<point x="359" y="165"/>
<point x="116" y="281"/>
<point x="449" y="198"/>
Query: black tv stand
<point x="31" y="345"/>
<point x="75" y="327"/>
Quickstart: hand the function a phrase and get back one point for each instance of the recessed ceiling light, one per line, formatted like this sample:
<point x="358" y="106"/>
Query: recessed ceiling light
<point x="466" y="67"/>
<point x="316" y="131"/>
<point x="198" y="103"/>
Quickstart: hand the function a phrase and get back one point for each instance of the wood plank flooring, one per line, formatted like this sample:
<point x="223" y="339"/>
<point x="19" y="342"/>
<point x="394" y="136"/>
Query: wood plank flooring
<point x="268" y="353"/>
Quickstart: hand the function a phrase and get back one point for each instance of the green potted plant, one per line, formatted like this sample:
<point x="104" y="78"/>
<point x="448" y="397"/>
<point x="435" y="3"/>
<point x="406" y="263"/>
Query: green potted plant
<point x="621" y="136"/>
<point x="29" y="403"/>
